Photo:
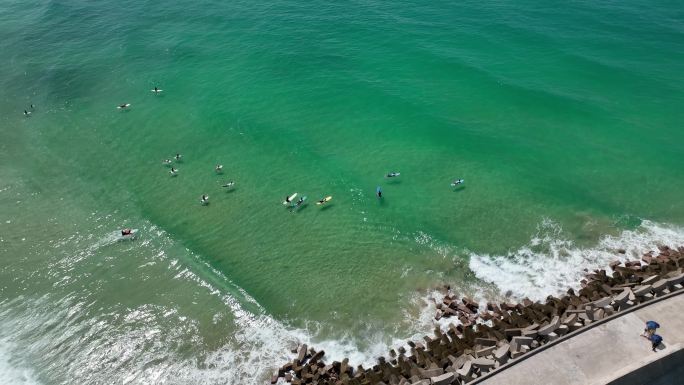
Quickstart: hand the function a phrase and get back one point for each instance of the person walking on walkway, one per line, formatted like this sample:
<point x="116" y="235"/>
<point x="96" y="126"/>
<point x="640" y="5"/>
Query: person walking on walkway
<point x="651" y="327"/>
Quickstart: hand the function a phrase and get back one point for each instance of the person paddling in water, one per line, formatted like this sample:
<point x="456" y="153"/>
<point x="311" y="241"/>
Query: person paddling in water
<point x="125" y="232"/>
<point x="178" y="157"/>
<point x="27" y="113"/>
<point x="287" y="199"/>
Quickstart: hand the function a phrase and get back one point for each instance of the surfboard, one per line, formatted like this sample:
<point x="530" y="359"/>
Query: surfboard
<point x="297" y="205"/>
<point x="458" y="182"/>
<point x="229" y="185"/>
<point x="289" y="199"/>
<point x="123" y="106"/>
<point x="128" y="236"/>
<point x="324" y="200"/>
<point x="392" y="174"/>
<point x="156" y="91"/>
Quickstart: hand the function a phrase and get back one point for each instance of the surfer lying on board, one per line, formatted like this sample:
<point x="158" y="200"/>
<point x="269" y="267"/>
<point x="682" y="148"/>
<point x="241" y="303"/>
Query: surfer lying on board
<point x="392" y="174"/>
<point x="125" y="232"/>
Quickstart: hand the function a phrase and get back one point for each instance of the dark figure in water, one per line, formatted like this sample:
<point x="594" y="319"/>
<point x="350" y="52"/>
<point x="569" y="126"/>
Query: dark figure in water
<point x="125" y="232"/>
<point x="26" y="113"/>
<point x="378" y="192"/>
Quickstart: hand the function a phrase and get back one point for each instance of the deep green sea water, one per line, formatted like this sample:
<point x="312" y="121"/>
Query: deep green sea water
<point x="564" y="118"/>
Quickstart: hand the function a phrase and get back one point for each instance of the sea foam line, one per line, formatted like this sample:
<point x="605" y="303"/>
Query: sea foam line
<point x="549" y="264"/>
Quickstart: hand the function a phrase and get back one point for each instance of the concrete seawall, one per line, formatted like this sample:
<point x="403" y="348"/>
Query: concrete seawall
<point x="609" y="353"/>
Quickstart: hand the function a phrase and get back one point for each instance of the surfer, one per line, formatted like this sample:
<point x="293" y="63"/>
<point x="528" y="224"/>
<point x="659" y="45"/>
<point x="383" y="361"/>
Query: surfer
<point x="218" y="168"/>
<point x="205" y="199"/>
<point x="33" y="107"/>
<point x="378" y="192"/>
<point x="392" y="174"/>
<point x="156" y="90"/>
<point x="457" y="182"/>
<point x="174" y="171"/>
<point x="323" y="201"/>
<point x="123" y="106"/>
<point x="27" y="113"/>
<point x="300" y="201"/>
<point x="287" y="199"/>
<point x="126" y="232"/>
<point x="166" y="162"/>
<point x="229" y="184"/>
<point x="178" y="157"/>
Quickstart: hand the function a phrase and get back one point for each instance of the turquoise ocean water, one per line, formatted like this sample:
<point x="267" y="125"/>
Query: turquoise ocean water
<point x="564" y="118"/>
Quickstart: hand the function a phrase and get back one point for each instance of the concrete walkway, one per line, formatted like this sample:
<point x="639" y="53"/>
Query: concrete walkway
<point x="604" y="353"/>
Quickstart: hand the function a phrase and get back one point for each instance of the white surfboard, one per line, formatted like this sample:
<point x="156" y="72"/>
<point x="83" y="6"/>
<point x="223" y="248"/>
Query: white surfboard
<point x="123" y="106"/>
<point x="156" y="91"/>
<point x="457" y="182"/>
<point x="289" y="199"/>
<point x="324" y="200"/>
<point x="298" y="204"/>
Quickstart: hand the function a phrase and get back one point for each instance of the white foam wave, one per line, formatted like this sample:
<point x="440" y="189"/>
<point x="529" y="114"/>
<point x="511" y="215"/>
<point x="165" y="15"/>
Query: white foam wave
<point x="10" y="372"/>
<point x="550" y="264"/>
